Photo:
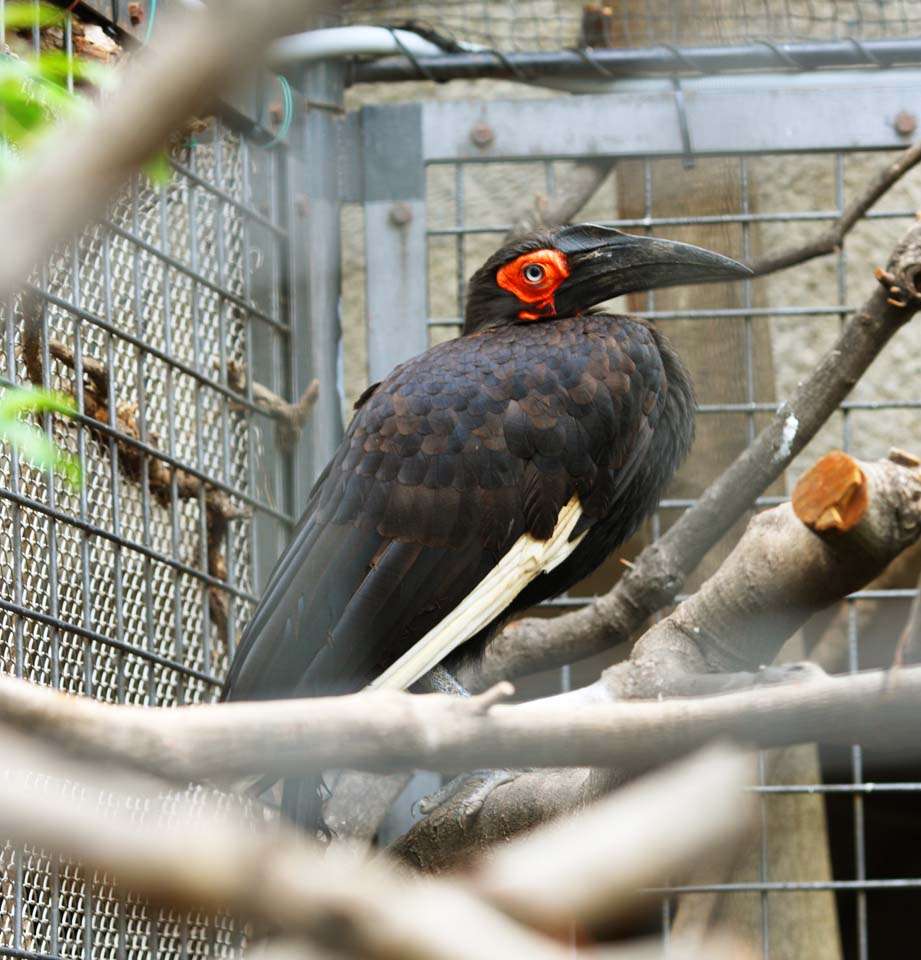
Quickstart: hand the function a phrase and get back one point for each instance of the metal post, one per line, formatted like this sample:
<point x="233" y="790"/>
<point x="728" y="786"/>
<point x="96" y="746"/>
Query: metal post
<point x="316" y="337"/>
<point x="394" y="193"/>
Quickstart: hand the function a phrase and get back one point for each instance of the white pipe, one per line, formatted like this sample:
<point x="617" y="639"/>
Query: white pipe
<point x="350" y="42"/>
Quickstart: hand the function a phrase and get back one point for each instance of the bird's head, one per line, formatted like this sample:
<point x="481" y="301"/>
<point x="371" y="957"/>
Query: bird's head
<point x="547" y="276"/>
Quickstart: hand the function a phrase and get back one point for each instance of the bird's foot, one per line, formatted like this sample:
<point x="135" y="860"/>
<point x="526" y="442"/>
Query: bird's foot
<point x="465" y="795"/>
<point x="795" y="671"/>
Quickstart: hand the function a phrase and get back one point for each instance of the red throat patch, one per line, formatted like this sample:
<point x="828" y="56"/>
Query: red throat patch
<point x="534" y="278"/>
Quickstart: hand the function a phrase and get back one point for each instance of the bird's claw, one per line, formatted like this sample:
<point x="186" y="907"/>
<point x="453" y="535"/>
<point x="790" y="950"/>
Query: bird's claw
<point x="466" y="794"/>
<point x="797" y="671"/>
<point x="899" y="295"/>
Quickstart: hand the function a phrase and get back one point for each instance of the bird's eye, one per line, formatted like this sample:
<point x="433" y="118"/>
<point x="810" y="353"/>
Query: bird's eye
<point x="534" y="273"/>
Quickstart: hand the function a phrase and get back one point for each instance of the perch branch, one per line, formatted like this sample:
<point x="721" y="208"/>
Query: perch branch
<point x="384" y="731"/>
<point x="291" y="417"/>
<point x="532" y="644"/>
<point x="846" y="522"/>
<point x="780" y="573"/>
<point x="184" y="854"/>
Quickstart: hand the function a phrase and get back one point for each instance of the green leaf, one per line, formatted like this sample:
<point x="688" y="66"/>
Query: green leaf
<point x="31" y="442"/>
<point x="19" y="400"/>
<point x="57" y="66"/>
<point x="21" y="16"/>
<point x="158" y="170"/>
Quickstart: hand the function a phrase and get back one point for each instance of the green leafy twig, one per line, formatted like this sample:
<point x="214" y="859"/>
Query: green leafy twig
<point x="31" y="442"/>
<point x="34" y="90"/>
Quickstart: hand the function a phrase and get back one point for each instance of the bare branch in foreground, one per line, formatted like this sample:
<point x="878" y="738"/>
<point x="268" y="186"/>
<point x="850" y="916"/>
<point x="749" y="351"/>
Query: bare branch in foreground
<point x="395" y="731"/>
<point x="532" y="644"/>
<point x="787" y="571"/>
<point x="532" y="881"/>
<point x="271" y="876"/>
<point x="194" y="56"/>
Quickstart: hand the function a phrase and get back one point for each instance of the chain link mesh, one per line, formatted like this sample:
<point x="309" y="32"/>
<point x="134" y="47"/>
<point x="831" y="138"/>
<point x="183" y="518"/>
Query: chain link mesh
<point x="531" y="25"/>
<point x="126" y="590"/>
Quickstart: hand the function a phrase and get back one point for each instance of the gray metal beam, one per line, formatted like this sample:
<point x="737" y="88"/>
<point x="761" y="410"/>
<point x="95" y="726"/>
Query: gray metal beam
<point x="750" y="114"/>
<point x="393" y="175"/>
<point x="316" y="274"/>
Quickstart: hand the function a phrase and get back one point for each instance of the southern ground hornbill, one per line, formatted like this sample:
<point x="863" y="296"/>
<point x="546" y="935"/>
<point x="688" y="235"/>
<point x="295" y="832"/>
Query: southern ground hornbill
<point x="483" y="476"/>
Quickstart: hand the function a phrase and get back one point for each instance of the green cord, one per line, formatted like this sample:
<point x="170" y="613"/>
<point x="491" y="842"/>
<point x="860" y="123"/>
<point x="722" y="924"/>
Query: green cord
<point x="153" y="13"/>
<point x="289" y="114"/>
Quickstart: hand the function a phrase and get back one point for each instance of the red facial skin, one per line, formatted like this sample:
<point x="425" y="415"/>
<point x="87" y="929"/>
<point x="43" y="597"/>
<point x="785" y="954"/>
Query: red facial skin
<point x="537" y="293"/>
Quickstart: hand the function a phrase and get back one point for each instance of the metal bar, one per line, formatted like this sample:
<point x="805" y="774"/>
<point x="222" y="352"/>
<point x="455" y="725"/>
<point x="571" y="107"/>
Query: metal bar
<point x="838" y="788"/>
<point x="775" y="114"/>
<point x="395" y="236"/>
<point x="118" y="540"/>
<point x="159" y="454"/>
<point x="184" y="268"/>
<point x="780" y="886"/>
<point x="315" y="350"/>
<point x="164" y="355"/>
<point x="821" y="311"/>
<point x="248" y="211"/>
<point x="101" y="638"/>
<point x="792" y="216"/>
<point x="641" y="61"/>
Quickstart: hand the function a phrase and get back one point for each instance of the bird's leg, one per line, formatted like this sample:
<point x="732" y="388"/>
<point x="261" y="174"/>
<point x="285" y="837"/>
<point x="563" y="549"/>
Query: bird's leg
<point x="440" y="680"/>
<point x="466" y="793"/>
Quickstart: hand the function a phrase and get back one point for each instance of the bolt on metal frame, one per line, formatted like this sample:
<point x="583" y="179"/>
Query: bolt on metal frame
<point x="402" y="147"/>
<point x="109" y="590"/>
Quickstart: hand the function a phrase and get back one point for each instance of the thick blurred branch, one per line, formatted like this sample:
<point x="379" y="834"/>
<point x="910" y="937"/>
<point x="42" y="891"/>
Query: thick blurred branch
<point x="187" y="853"/>
<point x="78" y="168"/>
<point x="532" y="644"/>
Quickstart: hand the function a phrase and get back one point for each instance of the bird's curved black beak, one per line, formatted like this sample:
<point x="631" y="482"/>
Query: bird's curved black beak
<point x="605" y="263"/>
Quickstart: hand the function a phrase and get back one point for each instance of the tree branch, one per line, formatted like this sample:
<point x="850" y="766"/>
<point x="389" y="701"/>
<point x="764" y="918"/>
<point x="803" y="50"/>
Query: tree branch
<point x="395" y="731"/>
<point x="780" y="573"/>
<point x="290" y="417"/>
<point x="830" y="240"/>
<point x="533" y="644"/>
<point x="271" y="876"/>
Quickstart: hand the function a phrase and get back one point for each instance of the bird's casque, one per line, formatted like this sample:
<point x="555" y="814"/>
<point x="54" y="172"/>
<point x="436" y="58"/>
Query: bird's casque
<point x="544" y="431"/>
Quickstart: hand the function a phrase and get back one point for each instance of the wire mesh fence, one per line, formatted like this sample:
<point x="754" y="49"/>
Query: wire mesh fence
<point x="530" y="25"/>
<point x="132" y="587"/>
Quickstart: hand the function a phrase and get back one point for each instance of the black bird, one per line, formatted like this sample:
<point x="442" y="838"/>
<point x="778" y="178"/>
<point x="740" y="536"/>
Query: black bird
<point x="483" y="476"/>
